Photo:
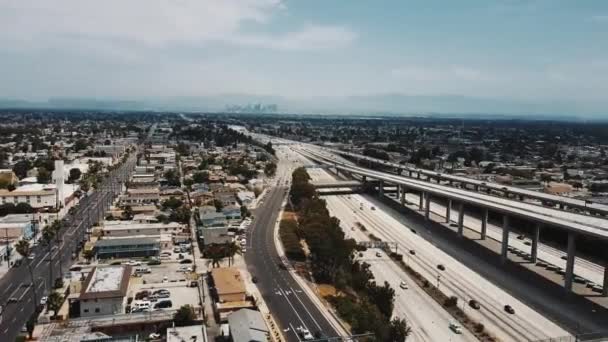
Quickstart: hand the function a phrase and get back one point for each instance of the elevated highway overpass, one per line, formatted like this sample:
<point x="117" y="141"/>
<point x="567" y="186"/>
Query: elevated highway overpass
<point x="575" y="224"/>
<point x="561" y="202"/>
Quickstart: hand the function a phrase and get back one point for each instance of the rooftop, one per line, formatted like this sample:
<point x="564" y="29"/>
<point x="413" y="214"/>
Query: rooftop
<point x="106" y="282"/>
<point x="191" y="333"/>
<point x="228" y="280"/>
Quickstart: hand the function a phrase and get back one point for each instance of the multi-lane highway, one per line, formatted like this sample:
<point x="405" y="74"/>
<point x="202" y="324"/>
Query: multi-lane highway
<point x="288" y="303"/>
<point x="16" y="288"/>
<point x="457" y="279"/>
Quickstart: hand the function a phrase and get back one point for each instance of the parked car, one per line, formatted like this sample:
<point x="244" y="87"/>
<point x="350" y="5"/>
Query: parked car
<point x="412" y="252"/>
<point x="474" y="304"/>
<point x="254" y="279"/>
<point x="133" y="263"/>
<point x="186" y="261"/>
<point x="154" y="262"/>
<point x="163" y="304"/>
<point x="43" y="300"/>
<point x="441" y="267"/>
<point x="403" y="285"/>
<point x="378" y="254"/>
<point x="509" y="309"/>
<point x="142" y="294"/>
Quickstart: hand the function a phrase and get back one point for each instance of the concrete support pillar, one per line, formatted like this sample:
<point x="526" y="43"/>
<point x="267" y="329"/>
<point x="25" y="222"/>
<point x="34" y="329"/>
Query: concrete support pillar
<point x="505" y="239"/>
<point x="535" y="238"/>
<point x="420" y="201"/>
<point x="521" y="198"/>
<point x="381" y="188"/>
<point x="570" y="261"/>
<point x="410" y="173"/>
<point x="476" y="187"/>
<point x="448" y="209"/>
<point x="363" y="179"/>
<point x="605" y="289"/>
<point x="418" y="175"/>
<point x="561" y="206"/>
<point x="460" y="219"/>
<point x="484" y="224"/>
<point x="427" y="209"/>
<point x="402" y="195"/>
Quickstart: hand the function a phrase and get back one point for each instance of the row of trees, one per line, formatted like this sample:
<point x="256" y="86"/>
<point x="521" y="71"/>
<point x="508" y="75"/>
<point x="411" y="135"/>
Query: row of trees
<point x="365" y="305"/>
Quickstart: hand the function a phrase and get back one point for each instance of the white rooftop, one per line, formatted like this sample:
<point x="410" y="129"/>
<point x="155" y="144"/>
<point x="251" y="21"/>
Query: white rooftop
<point x="106" y="279"/>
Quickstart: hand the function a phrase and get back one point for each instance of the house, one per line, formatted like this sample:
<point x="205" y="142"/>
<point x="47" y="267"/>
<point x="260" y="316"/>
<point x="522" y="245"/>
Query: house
<point x="231" y="292"/>
<point x="226" y="198"/>
<point x="232" y="212"/>
<point x="245" y="197"/>
<point x="212" y="219"/>
<point x="17" y="226"/>
<point x="130" y="228"/>
<point x="190" y="333"/>
<point x="248" y="325"/>
<point x="104" y="291"/>
<point x="214" y="235"/>
<point x="127" y="247"/>
<point x="142" y="195"/>
<point x="229" y="284"/>
<point x="38" y="196"/>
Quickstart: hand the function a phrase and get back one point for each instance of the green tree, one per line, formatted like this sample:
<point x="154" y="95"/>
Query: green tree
<point x="48" y="234"/>
<point x="270" y="169"/>
<point x="44" y="175"/>
<point x="21" y="168"/>
<point x="200" y="177"/>
<point x="399" y="330"/>
<point x="218" y="205"/>
<point x="75" y="174"/>
<point x="23" y="208"/>
<point x="127" y="213"/>
<point x="184" y="316"/>
<point x="172" y="203"/>
<point x="54" y="302"/>
<point x="23" y="248"/>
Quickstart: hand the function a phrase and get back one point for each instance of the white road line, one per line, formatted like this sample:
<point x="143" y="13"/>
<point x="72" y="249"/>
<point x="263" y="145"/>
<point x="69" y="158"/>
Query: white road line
<point x="292" y="307"/>
<point x="41" y="260"/>
<point x="305" y="308"/>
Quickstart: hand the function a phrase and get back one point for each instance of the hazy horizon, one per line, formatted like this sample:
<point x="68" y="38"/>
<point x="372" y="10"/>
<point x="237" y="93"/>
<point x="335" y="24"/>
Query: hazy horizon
<point x="337" y="56"/>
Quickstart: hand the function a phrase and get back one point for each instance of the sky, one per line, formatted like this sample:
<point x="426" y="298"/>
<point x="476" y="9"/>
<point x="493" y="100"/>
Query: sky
<point x="546" y="52"/>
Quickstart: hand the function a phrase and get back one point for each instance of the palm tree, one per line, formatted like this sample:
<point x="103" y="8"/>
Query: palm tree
<point x="56" y="227"/>
<point x="48" y="234"/>
<point x="23" y="248"/>
<point x="231" y="250"/>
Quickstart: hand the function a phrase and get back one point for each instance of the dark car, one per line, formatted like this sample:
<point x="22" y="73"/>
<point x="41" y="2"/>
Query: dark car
<point x="186" y="261"/>
<point x="413" y="231"/>
<point x="509" y="309"/>
<point x="412" y="252"/>
<point x="254" y="279"/>
<point x="474" y="304"/>
<point x="441" y="267"/>
<point x="163" y="304"/>
<point x="154" y="262"/>
<point x="141" y="295"/>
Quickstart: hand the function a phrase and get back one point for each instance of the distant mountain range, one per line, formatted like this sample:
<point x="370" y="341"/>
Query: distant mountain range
<point x="383" y="104"/>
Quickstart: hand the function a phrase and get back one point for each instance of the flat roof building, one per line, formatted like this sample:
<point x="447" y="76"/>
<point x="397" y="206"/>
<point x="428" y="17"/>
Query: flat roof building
<point x="104" y="291"/>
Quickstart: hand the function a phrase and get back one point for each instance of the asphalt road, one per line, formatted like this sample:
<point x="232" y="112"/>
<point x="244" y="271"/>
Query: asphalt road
<point x="17" y="284"/>
<point x="289" y="305"/>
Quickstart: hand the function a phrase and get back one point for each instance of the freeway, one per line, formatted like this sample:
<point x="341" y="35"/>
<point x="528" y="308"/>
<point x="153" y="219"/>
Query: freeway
<point x="16" y="288"/>
<point x="583" y="224"/>
<point x="457" y="279"/>
<point x="541" y="196"/>
<point x="284" y="297"/>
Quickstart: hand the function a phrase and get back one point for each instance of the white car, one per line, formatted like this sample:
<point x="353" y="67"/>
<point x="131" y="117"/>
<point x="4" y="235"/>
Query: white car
<point x="184" y="269"/>
<point x="403" y="285"/>
<point x="305" y="333"/>
<point x="456" y="327"/>
<point x="133" y="263"/>
<point x="43" y="300"/>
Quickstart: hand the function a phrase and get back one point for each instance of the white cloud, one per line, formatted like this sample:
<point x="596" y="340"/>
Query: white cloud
<point x="153" y="24"/>
<point x="310" y="37"/>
